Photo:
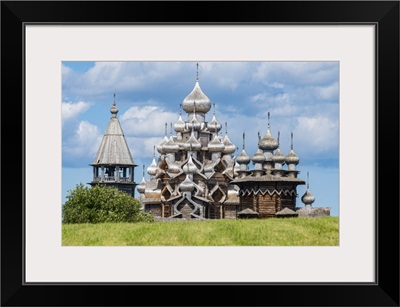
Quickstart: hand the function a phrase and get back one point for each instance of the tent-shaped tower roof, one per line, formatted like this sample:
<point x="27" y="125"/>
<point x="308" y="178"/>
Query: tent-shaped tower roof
<point x="113" y="149"/>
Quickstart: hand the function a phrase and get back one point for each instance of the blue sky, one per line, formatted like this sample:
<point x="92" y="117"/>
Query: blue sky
<point x="302" y="97"/>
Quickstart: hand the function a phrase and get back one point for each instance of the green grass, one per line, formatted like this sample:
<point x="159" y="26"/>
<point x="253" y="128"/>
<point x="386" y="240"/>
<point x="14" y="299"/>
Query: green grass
<point x="323" y="231"/>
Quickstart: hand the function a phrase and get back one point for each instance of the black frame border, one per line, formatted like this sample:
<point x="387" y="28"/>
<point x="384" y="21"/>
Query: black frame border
<point x="383" y="14"/>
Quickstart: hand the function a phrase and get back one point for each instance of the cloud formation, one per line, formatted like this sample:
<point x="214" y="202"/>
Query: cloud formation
<point x="71" y="110"/>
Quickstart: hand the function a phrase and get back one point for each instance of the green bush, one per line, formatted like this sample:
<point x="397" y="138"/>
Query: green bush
<point x="101" y="204"/>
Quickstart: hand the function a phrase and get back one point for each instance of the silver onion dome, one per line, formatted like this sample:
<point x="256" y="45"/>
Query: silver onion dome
<point x="307" y="197"/>
<point x="186" y="185"/>
<point x="192" y="143"/>
<point x="215" y="145"/>
<point x="160" y="146"/>
<point x="141" y="186"/>
<point x="194" y="124"/>
<point x="243" y="158"/>
<point x="291" y="157"/>
<point x="278" y="156"/>
<point x="114" y="109"/>
<point x="268" y="142"/>
<point x="229" y="147"/>
<point x="258" y="157"/>
<point x="170" y="146"/>
<point x="152" y="169"/>
<point x="190" y="167"/>
<point x="196" y="101"/>
<point x="214" y="125"/>
<point x="179" y="126"/>
<point x="164" y="141"/>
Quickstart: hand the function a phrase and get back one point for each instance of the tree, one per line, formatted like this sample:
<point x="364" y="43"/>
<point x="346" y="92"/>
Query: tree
<point x="101" y="204"/>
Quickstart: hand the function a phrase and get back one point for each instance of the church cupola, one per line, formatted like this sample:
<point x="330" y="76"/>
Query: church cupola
<point x="268" y="143"/>
<point x="179" y="126"/>
<point x="170" y="147"/>
<point x="214" y="126"/>
<point x="243" y="159"/>
<point x="142" y="185"/>
<point x="292" y="159"/>
<point x="279" y="159"/>
<point x="229" y="146"/>
<point x="165" y="140"/>
<point x="308" y="198"/>
<point x="152" y="169"/>
<point x="196" y="101"/>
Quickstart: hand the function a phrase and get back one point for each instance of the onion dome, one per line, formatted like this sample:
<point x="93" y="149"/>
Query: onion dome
<point x="165" y="140"/>
<point x="196" y="100"/>
<point x="291" y="157"/>
<point x="278" y="156"/>
<point x="258" y="157"/>
<point x="229" y="147"/>
<point x="152" y="169"/>
<point x="170" y="146"/>
<point x="308" y="198"/>
<point x="186" y="185"/>
<point x="268" y="142"/>
<point x="192" y="143"/>
<point x="194" y="123"/>
<point x="215" y="145"/>
<point x="243" y="158"/>
<point x="114" y="109"/>
<point x="236" y="167"/>
<point x="214" y="125"/>
<point x="142" y="185"/>
<point x="179" y="126"/>
<point x="190" y="167"/>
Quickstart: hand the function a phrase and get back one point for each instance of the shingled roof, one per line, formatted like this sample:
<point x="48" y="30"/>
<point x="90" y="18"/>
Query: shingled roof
<point x="113" y="149"/>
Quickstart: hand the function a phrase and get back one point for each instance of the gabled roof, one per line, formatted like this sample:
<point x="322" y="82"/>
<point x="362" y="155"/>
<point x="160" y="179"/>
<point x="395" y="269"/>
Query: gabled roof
<point x="113" y="149"/>
<point x="248" y="211"/>
<point x="286" y="211"/>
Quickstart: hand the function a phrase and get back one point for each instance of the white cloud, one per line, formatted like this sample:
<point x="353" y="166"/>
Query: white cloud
<point x="147" y="121"/>
<point x="82" y="145"/>
<point x="327" y="92"/>
<point x="320" y="133"/>
<point x="71" y="110"/>
<point x="106" y="77"/>
<point x="143" y="147"/>
<point x="226" y="76"/>
<point x="297" y="72"/>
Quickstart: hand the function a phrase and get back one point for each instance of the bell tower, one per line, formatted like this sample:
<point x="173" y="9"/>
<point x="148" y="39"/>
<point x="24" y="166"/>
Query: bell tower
<point x="113" y="164"/>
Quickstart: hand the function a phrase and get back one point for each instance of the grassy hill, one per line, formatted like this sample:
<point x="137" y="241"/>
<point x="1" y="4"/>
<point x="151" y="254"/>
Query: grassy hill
<point x="323" y="231"/>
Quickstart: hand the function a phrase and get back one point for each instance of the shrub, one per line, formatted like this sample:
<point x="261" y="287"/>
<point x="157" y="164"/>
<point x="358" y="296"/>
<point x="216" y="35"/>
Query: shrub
<point x="101" y="204"/>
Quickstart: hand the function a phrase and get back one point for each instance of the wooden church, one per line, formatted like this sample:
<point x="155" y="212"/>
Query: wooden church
<point x="196" y="175"/>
